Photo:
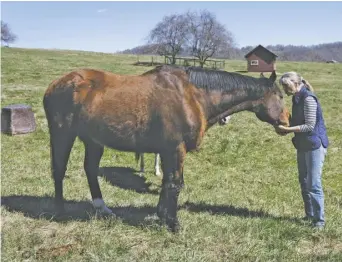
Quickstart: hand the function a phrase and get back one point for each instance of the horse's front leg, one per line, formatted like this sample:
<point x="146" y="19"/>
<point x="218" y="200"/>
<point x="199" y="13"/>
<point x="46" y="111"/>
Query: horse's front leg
<point x="172" y="166"/>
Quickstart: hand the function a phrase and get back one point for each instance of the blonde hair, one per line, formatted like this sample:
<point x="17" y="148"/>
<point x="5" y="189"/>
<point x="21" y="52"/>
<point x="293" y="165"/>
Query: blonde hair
<point x="293" y="79"/>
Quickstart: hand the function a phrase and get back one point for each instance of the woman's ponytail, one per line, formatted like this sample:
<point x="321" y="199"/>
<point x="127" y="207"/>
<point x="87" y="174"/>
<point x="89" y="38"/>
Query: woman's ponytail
<point x="308" y="85"/>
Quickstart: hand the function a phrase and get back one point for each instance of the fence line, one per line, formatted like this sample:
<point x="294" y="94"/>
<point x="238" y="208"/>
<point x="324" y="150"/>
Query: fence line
<point x="183" y="61"/>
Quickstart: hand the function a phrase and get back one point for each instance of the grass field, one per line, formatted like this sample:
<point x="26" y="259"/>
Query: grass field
<point x="241" y="200"/>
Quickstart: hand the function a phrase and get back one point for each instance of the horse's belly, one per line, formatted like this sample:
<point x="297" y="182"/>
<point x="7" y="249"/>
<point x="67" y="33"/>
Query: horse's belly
<point x="121" y="136"/>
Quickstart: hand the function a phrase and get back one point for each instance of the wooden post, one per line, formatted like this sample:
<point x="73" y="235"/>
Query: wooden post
<point x="152" y="61"/>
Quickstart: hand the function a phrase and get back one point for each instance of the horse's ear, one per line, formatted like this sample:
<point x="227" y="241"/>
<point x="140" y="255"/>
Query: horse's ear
<point x="273" y="76"/>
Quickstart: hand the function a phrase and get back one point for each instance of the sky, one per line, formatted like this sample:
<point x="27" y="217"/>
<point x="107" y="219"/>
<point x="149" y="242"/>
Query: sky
<point x="116" y="26"/>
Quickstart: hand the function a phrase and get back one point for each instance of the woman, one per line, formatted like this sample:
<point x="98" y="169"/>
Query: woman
<point x="311" y="141"/>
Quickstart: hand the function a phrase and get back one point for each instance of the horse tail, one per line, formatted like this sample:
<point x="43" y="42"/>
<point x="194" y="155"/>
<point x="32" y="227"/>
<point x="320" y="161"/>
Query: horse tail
<point x="62" y="100"/>
<point x="61" y="113"/>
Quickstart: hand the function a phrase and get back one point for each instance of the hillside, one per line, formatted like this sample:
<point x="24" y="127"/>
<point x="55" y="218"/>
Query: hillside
<point x="314" y="53"/>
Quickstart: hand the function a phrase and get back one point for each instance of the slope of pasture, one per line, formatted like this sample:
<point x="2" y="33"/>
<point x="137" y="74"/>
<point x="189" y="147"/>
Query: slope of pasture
<point x="241" y="201"/>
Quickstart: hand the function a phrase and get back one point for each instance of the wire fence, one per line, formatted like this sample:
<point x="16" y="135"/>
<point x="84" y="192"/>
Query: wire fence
<point x="183" y="61"/>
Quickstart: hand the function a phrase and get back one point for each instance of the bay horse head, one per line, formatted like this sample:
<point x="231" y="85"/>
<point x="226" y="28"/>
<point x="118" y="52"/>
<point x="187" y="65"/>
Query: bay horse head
<point x="272" y="108"/>
<point x="231" y="93"/>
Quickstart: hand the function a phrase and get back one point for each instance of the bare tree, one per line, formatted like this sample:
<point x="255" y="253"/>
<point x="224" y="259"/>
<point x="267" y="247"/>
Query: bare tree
<point x="7" y="36"/>
<point x="207" y="36"/>
<point x="170" y="35"/>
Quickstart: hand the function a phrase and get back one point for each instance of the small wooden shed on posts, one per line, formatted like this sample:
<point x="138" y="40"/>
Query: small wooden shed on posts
<point x="260" y="59"/>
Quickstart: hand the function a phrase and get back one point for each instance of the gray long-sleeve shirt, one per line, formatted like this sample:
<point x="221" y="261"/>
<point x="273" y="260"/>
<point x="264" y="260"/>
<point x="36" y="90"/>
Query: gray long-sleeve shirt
<point x="310" y="111"/>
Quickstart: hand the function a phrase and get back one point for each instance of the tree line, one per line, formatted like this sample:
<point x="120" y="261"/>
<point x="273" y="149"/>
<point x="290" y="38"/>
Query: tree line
<point x="315" y="53"/>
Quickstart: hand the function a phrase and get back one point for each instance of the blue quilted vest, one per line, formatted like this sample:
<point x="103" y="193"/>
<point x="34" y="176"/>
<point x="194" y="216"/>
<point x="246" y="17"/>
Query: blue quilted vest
<point x="307" y="141"/>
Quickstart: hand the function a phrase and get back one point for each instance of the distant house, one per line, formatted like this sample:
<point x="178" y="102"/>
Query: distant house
<point x="260" y="59"/>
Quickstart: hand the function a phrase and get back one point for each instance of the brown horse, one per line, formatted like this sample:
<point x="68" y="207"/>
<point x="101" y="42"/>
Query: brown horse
<point x="165" y="110"/>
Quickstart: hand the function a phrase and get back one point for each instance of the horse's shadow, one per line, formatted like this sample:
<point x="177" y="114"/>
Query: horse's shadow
<point x="126" y="178"/>
<point x="43" y="207"/>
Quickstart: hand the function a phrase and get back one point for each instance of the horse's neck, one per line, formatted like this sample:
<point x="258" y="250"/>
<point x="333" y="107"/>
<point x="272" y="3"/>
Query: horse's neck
<point x="246" y="105"/>
<point x="218" y="106"/>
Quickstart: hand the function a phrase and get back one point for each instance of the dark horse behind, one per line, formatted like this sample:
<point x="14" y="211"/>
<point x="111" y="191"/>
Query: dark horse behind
<point x="166" y="110"/>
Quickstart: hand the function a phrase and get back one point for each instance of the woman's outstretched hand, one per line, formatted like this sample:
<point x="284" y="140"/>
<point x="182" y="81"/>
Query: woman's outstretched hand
<point x="281" y="130"/>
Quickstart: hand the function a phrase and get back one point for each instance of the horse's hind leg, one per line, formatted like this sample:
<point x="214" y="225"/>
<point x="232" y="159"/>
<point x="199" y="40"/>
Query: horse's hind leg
<point x="140" y="157"/>
<point x="172" y="165"/>
<point x="142" y="163"/>
<point x="61" y="142"/>
<point x="93" y="154"/>
<point x="157" y="165"/>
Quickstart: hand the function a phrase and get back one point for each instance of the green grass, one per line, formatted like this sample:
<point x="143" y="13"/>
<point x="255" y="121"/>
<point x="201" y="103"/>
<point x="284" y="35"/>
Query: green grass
<point x="240" y="202"/>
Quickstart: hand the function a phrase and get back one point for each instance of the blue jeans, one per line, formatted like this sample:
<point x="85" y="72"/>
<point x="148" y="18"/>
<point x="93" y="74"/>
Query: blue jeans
<point x="310" y="165"/>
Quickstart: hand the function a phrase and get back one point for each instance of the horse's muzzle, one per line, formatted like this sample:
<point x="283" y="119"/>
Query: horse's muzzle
<point x="284" y="118"/>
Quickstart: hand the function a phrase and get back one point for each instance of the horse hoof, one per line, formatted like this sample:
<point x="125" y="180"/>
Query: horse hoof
<point x="158" y="174"/>
<point x="101" y="208"/>
<point x="105" y="213"/>
<point x="165" y="219"/>
<point x="173" y="226"/>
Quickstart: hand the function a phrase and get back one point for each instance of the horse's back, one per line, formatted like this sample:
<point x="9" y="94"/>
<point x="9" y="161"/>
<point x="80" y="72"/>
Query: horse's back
<point x="133" y="112"/>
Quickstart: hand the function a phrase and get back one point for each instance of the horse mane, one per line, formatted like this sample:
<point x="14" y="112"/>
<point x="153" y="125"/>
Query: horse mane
<point x="210" y="79"/>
